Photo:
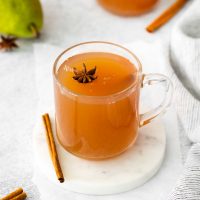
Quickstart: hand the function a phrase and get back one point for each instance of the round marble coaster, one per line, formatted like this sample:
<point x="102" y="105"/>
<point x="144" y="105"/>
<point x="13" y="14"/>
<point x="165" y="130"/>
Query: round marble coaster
<point x="125" y="172"/>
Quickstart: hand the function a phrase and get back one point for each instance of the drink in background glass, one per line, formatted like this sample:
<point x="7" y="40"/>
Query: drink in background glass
<point x="97" y="116"/>
<point x="128" y="7"/>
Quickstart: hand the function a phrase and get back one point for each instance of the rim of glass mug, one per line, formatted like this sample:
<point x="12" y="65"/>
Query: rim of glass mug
<point x="125" y="91"/>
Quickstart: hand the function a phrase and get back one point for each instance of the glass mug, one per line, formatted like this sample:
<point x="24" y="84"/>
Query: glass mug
<point x="128" y="7"/>
<point x="100" y="127"/>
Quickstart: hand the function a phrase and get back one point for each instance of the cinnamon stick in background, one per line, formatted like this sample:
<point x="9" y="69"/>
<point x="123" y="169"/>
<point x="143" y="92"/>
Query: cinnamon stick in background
<point x="52" y="147"/>
<point x="18" y="194"/>
<point x="166" y="15"/>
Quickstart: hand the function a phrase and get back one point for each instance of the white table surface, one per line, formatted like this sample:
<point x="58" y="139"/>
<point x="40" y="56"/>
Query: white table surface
<point x="66" y="22"/>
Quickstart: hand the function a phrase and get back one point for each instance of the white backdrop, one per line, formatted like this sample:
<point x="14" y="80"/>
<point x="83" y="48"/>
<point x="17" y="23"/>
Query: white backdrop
<point x="66" y="22"/>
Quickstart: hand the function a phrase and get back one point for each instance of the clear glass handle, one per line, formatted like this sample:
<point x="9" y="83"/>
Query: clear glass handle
<point x="151" y="79"/>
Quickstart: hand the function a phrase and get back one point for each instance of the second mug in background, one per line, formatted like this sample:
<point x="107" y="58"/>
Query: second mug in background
<point x="128" y="7"/>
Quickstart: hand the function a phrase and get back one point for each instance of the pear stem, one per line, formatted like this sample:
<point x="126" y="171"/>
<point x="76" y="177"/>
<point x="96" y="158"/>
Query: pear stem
<point x="34" y="30"/>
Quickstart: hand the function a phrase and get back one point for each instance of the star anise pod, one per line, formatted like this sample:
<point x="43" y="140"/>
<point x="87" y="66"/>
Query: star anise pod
<point x="84" y="76"/>
<point x="8" y="43"/>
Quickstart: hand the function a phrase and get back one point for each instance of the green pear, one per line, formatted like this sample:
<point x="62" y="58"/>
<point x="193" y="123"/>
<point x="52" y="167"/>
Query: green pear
<point x="21" y="18"/>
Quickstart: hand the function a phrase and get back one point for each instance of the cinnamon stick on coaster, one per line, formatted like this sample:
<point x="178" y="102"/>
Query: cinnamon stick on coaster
<point x="166" y="15"/>
<point x="52" y="147"/>
<point x="18" y="194"/>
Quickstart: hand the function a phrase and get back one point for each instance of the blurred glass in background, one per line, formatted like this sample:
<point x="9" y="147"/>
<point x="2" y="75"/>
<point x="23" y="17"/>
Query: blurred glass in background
<point x="128" y="7"/>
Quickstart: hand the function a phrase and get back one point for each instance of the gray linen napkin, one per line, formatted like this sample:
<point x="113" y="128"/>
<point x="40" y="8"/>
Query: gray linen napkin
<point x="185" y="73"/>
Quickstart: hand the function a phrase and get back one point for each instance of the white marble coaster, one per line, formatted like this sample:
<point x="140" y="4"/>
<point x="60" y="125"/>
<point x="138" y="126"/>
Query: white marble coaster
<point x="125" y="172"/>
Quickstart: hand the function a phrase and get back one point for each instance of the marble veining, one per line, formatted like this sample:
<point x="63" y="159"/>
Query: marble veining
<point x="122" y="173"/>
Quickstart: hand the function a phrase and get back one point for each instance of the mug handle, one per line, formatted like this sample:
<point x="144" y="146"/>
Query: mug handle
<point x="151" y="79"/>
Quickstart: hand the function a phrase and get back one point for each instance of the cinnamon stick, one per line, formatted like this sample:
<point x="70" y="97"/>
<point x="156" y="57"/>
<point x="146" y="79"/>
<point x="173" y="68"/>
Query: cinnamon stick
<point x="166" y="15"/>
<point x="52" y="147"/>
<point x="18" y="194"/>
<point x="21" y="196"/>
